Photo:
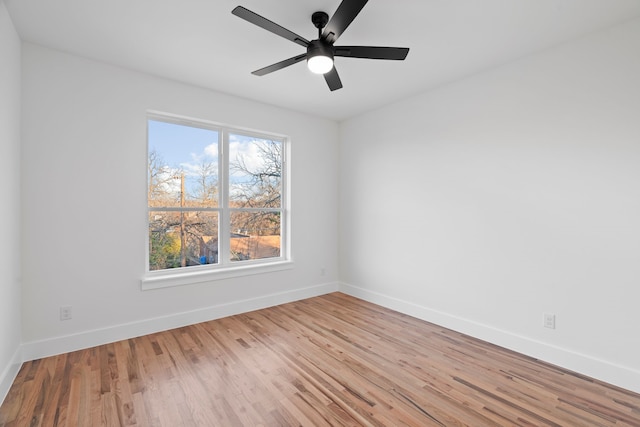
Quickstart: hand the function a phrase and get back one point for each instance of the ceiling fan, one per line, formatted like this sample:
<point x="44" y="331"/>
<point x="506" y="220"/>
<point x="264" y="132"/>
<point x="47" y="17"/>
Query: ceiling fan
<point x="321" y="51"/>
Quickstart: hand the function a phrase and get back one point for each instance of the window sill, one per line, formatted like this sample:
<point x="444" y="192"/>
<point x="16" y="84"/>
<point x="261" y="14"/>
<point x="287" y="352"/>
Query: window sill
<point x="165" y="279"/>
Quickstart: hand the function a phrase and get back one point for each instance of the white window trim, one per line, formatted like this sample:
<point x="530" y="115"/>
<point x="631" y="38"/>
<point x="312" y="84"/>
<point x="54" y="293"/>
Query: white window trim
<point x="159" y="279"/>
<point x="168" y="278"/>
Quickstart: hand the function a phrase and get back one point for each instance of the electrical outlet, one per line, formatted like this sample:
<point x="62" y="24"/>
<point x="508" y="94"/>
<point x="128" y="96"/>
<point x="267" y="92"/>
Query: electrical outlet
<point x="549" y="320"/>
<point x="66" y="313"/>
<point x="323" y="272"/>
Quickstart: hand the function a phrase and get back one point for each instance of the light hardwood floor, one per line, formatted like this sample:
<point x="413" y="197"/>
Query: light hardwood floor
<point x="329" y="360"/>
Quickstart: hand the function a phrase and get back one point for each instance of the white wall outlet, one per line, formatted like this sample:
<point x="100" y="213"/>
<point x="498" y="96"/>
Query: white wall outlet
<point x="549" y="320"/>
<point x="66" y="313"/>
<point x="323" y="271"/>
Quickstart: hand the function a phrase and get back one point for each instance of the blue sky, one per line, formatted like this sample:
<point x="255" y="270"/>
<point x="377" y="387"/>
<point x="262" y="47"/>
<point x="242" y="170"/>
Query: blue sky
<point x="181" y="145"/>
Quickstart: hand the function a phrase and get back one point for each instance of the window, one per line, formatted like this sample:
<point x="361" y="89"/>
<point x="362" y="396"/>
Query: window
<point x="216" y="202"/>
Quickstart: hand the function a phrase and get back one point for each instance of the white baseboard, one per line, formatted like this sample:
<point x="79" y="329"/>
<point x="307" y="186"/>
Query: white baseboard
<point x="602" y="370"/>
<point x="63" y="344"/>
<point x="9" y="374"/>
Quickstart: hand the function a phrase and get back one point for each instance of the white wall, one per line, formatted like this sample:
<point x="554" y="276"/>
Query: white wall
<point x="10" y="211"/>
<point x="483" y="204"/>
<point x="84" y="204"/>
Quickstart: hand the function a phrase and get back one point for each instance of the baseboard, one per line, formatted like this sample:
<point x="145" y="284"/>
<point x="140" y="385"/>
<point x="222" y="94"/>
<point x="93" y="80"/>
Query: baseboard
<point x="9" y="374"/>
<point x="602" y="370"/>
<point x="63" y="344"/>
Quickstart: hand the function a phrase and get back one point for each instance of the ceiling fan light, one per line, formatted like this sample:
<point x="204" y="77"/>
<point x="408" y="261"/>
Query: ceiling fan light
<point x="320" y="64"/>
<point x="319" y="57"/>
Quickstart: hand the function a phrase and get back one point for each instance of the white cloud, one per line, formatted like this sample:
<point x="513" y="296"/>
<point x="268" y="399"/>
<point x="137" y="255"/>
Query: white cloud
<point x="211" y="150"/>
<point x="249" y="152"/>
<point x="209" y="156"/>
<point x="170" y="180"/>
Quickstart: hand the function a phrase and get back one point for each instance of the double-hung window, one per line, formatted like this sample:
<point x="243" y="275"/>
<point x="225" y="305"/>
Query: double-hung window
<point x="216" y="202"/>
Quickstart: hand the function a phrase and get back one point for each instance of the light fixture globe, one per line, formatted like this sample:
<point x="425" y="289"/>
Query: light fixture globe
<point x="319" y="57"/>
<point x="320" y="64"/>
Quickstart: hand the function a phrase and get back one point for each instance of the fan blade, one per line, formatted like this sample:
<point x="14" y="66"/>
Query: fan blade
<point x="258" y="20"/>
<point x="279" y="65"/>
<point x="333" y="79"/>
<point x="372" y="52"/>
<point x="345" y="14"/>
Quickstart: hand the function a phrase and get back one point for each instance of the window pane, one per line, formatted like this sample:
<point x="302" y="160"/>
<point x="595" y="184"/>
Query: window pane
<point x="182" y="165"/>
<point x="182" y="239"/>
<point x="255" y="172"/>
<point x="255" y="235"/>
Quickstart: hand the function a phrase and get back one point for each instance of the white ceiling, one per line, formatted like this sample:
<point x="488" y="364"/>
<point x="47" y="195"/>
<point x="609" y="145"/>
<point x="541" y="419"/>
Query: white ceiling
<point x="200" y="42"/>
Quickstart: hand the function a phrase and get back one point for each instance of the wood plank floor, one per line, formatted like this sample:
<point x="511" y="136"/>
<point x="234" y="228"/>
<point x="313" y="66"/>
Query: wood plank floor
<point x="332" y="360"/>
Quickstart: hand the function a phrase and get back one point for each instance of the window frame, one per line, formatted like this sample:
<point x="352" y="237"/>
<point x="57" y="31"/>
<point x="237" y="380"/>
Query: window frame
<point x="225" y="268"/>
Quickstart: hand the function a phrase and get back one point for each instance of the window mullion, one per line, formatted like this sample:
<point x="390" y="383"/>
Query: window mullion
<point x="225" y="220"/>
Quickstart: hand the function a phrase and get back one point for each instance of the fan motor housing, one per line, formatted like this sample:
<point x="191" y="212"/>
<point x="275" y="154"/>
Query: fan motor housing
<point x="319" y="48"/>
